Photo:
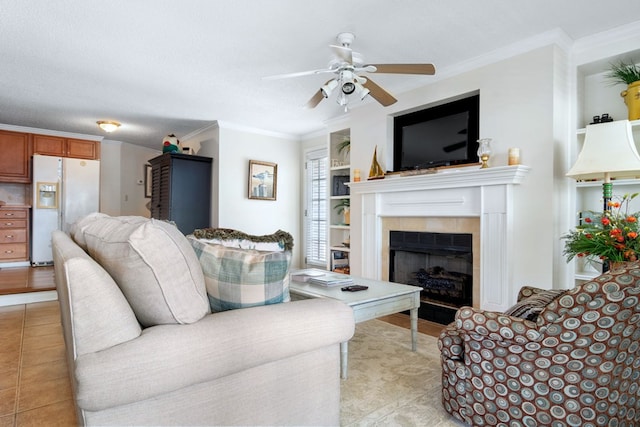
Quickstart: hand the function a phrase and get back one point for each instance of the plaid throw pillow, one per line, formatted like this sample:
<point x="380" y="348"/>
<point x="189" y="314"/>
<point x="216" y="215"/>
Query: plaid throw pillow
<point x="240" y="278"/>
<point x="530" y="307"/>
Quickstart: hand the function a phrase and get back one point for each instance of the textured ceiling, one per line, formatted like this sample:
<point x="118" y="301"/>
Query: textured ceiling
<point x="160" y="66"/>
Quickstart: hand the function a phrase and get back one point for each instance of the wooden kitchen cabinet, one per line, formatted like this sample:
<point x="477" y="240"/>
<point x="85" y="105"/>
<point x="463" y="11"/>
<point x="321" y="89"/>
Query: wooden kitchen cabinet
<point x="82" y="149"/>
<point x="66" y="147"/>
<point x="14" y="234"/>
<point x="15" y="164"/>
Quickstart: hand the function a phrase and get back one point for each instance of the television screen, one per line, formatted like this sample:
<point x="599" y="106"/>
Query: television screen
<point x="437" y="136"/>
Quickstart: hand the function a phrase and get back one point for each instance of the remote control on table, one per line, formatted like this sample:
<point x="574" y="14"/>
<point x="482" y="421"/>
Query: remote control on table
<point x="355" y="288"/>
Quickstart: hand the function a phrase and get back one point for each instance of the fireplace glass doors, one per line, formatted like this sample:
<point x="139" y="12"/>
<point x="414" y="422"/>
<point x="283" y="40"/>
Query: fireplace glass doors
<point x="440" y="263"/>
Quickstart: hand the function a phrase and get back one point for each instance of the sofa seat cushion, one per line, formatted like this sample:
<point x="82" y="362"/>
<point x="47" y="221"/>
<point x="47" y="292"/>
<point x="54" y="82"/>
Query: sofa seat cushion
<point x="154" y="266"/>
<point x="240" y="278"/>
<point x="529" y="308"/>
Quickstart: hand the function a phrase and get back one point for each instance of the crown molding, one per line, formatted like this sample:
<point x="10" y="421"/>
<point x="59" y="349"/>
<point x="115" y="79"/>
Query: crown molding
<point x="249" y="129"/>
<point x="553" y="37"/>
<point x="608" y="46"/>
<point x="26" y="129"/>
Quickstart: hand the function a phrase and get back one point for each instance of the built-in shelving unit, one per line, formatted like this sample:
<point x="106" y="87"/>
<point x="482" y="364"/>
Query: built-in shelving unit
<point x="339" y="195"/>
<point x="596" y="96"/>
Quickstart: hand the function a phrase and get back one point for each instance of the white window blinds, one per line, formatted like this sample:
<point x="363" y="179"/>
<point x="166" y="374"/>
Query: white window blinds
<point x="316" y="208"/>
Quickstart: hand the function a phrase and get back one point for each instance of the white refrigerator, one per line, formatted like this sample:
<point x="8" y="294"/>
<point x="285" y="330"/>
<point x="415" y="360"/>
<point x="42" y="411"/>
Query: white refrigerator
<point x="64" y="190"/>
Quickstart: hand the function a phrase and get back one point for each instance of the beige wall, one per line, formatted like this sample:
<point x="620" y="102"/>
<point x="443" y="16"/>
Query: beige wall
<point x="122" y="178"/>
<point x="516" y="110"/>
<point x="231" y="148"/>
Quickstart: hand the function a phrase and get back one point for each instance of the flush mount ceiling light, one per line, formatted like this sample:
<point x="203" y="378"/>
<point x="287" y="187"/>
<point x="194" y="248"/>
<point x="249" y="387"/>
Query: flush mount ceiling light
<point x="108" y="126"/>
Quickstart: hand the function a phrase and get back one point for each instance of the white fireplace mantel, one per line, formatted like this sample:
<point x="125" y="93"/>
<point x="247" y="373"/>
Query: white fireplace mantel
<point x="463" y="192"/>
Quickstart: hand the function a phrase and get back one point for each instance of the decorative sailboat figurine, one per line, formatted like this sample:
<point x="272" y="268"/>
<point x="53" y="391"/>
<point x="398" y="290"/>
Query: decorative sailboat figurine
<point x="376" y="171"/>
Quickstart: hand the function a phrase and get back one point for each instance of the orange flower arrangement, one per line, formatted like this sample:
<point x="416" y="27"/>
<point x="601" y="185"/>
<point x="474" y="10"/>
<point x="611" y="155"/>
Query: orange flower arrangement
<point x="612" y="235"/>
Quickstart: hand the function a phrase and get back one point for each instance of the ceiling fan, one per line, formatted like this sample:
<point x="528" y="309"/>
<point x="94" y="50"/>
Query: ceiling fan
<point x="347" y="66"/>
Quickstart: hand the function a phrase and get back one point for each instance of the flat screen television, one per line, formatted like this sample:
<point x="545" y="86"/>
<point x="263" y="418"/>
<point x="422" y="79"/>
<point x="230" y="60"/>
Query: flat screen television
<point x="443" y="135"/>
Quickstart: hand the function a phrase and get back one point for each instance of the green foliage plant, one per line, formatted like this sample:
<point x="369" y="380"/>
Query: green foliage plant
<point x="622" y="72"/>
<point x="612" y="235"/>
<point x="342" y="205"/>
<point x="343" y="145"/>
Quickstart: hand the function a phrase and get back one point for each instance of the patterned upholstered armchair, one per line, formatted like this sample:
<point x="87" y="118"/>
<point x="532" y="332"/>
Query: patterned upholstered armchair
<point x="577" y="364"/>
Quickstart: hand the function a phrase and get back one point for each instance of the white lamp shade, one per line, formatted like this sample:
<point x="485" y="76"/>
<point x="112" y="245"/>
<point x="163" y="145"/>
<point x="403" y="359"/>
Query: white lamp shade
<point x="609" y="149"/>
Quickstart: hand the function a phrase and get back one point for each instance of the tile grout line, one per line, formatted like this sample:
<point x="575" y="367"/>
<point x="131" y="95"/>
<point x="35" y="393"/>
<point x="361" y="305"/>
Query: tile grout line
<point x="41" y="406"/>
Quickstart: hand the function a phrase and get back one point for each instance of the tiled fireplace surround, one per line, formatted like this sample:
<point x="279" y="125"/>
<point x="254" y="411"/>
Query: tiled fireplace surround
<point x="464" y="200"/>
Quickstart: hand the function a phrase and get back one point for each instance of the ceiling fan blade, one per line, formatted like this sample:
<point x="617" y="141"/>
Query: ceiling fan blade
<point x="315" y="100"/>
<point x="343" y="53"/>
<point x="367" y="68"/>
<point x="298" y="74"/>
<point x="428" y="69"/>
<point x="379" y="94"/>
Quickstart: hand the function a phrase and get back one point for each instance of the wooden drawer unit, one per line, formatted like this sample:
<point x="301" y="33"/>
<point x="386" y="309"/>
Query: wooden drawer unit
<point x="12" y="223"/>
<point x="12" y="213"/>
<point x="13" y="252"/>
<point x="14" y="234"/>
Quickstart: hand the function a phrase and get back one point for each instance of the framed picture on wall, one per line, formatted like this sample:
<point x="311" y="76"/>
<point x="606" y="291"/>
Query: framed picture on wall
<point x="263" y="180"/>
<point x="147" y="181"/>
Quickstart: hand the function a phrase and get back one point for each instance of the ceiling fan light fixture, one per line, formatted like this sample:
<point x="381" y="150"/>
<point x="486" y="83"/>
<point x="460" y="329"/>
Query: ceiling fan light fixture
<point x="328" y="88"/>
<point x="346" y="65"/>
<point x="108" y="126"/>
<point x="348" y="88"/>
<point x="362" y="91"/>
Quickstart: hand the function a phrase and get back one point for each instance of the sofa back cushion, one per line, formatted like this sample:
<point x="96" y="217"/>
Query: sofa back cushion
<point x="95" y="314"/>
<point x="240" y="278"/>
<point x="100" y="314"/>
<point x="76" y="230"/>
<point x="154" y="266"/>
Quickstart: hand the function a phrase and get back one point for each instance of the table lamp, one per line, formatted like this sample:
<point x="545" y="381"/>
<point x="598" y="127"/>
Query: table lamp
<point x="609" y="151"/>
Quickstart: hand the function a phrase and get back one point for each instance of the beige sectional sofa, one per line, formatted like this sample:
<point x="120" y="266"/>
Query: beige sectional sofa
<point x="144" y="349"/>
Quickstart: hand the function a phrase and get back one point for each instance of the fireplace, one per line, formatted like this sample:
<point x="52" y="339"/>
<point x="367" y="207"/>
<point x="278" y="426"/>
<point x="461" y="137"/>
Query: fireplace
<point x="463" y="200"/>
<point x="440" y="263"/>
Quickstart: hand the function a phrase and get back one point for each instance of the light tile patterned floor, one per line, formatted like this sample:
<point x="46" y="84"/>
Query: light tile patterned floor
<point x="34" y="381"/>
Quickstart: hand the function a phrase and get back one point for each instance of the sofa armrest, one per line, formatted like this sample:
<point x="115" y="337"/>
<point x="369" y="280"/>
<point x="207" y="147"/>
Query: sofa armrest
<point x="451" y="342"/>
<point x="496" y="326"/>
<point x="166" y="358"/>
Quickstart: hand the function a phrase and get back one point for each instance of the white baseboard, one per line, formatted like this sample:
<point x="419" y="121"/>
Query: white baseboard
<point x="15" y="264"/>
<point x="28" y="298"/>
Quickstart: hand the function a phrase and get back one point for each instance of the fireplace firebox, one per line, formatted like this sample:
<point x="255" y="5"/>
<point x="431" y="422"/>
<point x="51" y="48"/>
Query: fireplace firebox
<point x="440" y="263"/>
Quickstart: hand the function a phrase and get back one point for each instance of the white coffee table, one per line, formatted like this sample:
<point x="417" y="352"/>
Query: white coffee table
<point x="381" y="299"/>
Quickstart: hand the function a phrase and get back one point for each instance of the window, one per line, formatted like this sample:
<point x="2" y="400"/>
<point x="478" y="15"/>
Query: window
<point x="316" y="208"/>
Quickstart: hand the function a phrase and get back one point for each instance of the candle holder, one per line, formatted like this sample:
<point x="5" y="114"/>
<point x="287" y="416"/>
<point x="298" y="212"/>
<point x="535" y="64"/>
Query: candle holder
<point x="484" y="151"/>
